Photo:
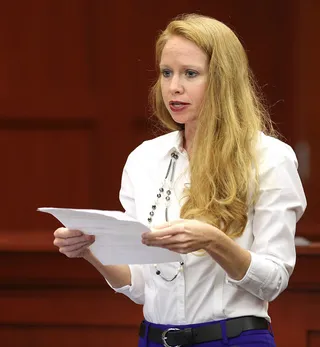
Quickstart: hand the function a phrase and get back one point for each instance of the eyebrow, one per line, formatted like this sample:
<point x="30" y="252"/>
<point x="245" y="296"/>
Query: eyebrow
<point x="192" y="67"/>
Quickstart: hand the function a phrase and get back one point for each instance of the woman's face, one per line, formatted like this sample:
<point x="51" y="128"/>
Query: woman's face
<point x="184" y="74"/>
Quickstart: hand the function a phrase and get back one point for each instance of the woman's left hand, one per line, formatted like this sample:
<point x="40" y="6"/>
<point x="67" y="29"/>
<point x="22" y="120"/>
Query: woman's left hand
<point x="181" y="236"/>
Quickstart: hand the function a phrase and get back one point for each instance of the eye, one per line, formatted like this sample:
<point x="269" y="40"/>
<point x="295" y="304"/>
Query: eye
<point x="166" y="73"/>
<point x="191" y="73"/>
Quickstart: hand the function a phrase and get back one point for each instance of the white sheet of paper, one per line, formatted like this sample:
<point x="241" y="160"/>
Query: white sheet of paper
<point x="117" y="236"/>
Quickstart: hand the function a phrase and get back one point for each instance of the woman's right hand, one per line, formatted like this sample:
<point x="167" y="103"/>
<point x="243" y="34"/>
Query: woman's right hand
<point x="73" y="243"/>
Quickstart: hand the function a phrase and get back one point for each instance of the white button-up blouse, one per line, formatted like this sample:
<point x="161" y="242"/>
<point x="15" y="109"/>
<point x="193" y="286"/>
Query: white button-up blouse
<point x="203" y="291"/>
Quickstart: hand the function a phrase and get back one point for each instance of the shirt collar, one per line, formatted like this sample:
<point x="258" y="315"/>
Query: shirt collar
<point x="174" y="143"/>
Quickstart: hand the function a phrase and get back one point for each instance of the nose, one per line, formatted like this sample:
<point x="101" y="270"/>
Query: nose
<point x="176" y="86"/>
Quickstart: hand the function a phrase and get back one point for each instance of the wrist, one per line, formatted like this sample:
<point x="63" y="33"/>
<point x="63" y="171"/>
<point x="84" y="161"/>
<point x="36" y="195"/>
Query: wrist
<point x="213" y="237"/>
<point x="89" y="257"/>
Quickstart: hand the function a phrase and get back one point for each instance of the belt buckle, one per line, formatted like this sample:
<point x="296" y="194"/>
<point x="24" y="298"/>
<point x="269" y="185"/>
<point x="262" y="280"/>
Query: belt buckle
<point x="164" y="337"/>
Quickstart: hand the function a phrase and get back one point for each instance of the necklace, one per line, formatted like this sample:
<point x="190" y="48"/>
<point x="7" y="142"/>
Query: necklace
<point x="166" y="189"/>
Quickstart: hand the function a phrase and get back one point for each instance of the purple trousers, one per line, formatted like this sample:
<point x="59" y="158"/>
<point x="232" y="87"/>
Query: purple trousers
<point x="250" y="338"/>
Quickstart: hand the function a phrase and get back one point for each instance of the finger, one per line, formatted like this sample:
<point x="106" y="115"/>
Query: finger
<point x="74" y="248"/>
<point x="168" y="224"/>
<point x="162" y="242"/>
<point x="162" y="226"/>
<point x="78" y="253"/>
<point x="66" y="233"/>
<point x="180" y="248"/>
<point x="163" y="233"/>
<point x="59" y="242"/>
<point x="176" y="247"/>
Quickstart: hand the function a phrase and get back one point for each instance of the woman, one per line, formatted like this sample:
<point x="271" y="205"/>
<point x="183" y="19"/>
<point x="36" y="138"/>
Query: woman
<point x="219" y="188"/>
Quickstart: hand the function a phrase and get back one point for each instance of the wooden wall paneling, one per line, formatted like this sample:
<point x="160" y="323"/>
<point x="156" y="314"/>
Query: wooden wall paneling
<point x="44" y="163"/>
<point x="45" y="267"/>
<point x="295" y="313"/>
<point x="306" y="274"/>
<point x="313" y="339"/>
<point x="265" y="29"/>
<point x="306" y="56"/>
<point x="47" y="110"/>
<point x="45" y="296"/>
<point x="74" y="85"/>
<point x="45" y="66"/>
<point x="68" y="306"/>
<point x="68" y="336"/>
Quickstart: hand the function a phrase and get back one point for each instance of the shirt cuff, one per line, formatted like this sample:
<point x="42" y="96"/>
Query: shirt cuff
<point x="135" y="291"/>
<point x="256" y="277"/>
<point x="121" y="289"/>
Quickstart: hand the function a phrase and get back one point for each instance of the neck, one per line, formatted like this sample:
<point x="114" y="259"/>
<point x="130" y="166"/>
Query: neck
<point x="188" y="137"/>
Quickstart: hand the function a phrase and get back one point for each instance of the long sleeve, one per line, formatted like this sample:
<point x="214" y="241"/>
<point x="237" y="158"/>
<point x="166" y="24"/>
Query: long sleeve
<point x="280" y="204"/>
<point x="135" y="291"/>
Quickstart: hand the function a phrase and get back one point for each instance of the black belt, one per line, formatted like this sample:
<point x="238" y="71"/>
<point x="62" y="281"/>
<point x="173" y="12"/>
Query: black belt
<point x="205" y="333"/>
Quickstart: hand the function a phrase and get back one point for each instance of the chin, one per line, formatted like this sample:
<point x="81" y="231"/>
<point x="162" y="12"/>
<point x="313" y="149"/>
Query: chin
<point x="183" y="120"/>
<point x="179" y="121"/>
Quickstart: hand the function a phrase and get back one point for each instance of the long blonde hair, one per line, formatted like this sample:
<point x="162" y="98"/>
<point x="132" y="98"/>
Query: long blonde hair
<point x="223" y="156"/>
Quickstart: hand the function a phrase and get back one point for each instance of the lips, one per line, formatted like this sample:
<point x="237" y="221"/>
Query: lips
<point x="177" y="103"/>
<point x="178" y="106"/>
